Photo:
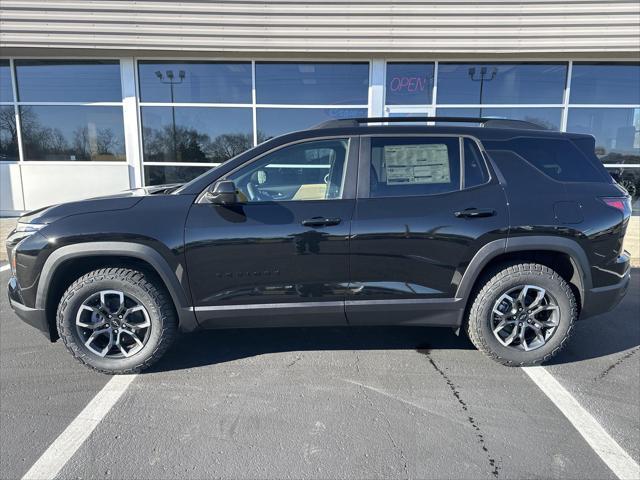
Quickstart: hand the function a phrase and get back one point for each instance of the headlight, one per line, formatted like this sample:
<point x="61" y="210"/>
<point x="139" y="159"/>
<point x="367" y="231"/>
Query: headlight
<point x="29" y="227"/>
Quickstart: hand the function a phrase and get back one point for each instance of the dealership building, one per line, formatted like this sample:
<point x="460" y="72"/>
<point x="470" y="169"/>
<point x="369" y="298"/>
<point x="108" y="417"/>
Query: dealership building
<point x="101" y="96"/>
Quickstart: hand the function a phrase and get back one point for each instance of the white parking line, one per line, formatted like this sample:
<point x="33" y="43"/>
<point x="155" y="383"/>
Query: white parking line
<point x="4" y="267"/>
<point x="69" y="441"/>
<point x="600" y="441"/>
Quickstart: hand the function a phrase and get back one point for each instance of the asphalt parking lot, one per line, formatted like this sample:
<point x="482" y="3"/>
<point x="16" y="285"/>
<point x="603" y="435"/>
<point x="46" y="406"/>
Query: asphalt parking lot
<point x="325" y="403"/>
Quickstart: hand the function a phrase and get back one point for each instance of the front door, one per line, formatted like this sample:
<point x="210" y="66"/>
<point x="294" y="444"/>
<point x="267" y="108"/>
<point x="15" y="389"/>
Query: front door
<point x="279" y="256"/>
<point x="425" y="205"/>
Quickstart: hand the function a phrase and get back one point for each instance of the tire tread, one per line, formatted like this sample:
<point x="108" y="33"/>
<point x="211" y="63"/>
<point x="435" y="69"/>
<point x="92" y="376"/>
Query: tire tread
<point x="486" y="294"/>
<point x="126" y="275"/>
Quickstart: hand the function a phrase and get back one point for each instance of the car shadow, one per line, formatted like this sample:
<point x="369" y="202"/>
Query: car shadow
<point x="608" y="334"/>
<point x="219" y="346"/>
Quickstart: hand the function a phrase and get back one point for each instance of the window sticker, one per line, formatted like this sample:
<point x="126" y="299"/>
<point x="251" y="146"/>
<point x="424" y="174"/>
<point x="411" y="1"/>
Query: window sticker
<point x="417" y="164"/>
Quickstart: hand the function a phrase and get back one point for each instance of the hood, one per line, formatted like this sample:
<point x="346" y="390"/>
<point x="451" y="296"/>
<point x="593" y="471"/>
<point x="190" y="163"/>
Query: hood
<point x="119" y="201"/>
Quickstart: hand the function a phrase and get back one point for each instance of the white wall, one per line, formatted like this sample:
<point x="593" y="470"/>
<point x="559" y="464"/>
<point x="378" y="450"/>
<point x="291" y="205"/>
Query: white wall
<point x="11" y="201"/>
<point x="46" y="184"/>
<point x="437" y="27"/>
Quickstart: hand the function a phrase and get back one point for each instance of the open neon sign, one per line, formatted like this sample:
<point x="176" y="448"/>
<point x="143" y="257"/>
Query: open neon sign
<point x="408" y="84"/>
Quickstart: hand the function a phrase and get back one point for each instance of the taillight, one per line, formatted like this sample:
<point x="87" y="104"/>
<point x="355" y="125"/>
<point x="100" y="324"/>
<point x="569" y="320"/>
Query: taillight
<point x="619" y="203"/>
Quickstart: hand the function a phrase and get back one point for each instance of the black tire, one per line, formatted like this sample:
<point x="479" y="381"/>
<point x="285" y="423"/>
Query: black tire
<point x="152" y="296"/>
<point x="479" y="323"/>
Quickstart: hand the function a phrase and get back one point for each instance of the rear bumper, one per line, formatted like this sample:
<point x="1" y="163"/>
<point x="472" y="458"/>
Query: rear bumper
<point x="35" y="317"/>
<point x="603" y="299"/>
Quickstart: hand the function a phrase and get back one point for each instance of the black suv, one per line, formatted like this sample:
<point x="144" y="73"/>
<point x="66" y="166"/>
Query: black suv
<point x="505" y="230"/>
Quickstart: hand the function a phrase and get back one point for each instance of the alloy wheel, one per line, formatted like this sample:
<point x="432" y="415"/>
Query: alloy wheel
<point x="113" y="324"/>
<point x="525" y="317"/>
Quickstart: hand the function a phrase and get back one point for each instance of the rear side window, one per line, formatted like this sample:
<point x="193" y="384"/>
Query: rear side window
<point x="475" y="171"/>
<point x="558" y="158"/>
<point x="414" y="166"/>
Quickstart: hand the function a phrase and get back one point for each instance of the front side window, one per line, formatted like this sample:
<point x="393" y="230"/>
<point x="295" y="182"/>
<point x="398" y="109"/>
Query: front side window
<point x="305" y="171"/>
<point x="414" y="166"/>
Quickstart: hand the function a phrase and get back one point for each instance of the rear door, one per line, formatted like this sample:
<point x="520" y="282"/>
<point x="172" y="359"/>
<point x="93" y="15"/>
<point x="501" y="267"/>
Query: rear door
<point x="425" y="205"/>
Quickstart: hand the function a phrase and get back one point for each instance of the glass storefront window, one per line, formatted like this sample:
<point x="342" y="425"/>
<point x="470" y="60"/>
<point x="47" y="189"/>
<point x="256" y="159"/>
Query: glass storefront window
<point x="72" y="133"/>
<point x="278" y="121"/>
<point x="160" y="174"/>
<point x="549" y="118"/>
<point x="68" y="81"/>
<point x="409" y="83"/>
<point x="312" y="83"/>
<point x="195" y="82"/>
<point x="468" y="83"/>
<point x="617" y="132"/>
<point x="602" y="83"/>
<point x="195" y="134"/>
<point x="6" y="91"/>
<point x="8" y="136"/>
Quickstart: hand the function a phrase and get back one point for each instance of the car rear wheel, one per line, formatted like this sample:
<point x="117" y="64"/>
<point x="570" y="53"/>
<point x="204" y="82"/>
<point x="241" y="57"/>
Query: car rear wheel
<point x="116" y="320"/>
<point x="523" y="315"/>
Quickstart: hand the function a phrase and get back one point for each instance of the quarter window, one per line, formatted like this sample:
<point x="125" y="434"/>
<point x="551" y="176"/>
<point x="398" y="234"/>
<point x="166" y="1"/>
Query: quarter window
<point x="414" y="166"/>
<point x="557" y="158"/>
<point x="475" y="171"/>
<point x="306" y="171"/>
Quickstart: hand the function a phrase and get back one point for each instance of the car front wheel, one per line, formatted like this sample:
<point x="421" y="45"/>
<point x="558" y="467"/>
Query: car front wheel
<point x="523" y="315"/>
<point x="116" y="320"/>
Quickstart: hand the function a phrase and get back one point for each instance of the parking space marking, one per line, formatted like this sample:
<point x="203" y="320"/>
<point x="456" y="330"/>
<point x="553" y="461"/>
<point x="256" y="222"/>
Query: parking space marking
<point x="4" y="267"/>
<point x="63" y="448"/>
<point x="612" y="454"/>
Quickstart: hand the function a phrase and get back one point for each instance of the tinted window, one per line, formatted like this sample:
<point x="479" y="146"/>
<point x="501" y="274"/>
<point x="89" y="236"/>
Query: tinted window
<point x="409" y="83"/>
<point x="8" y="138"/>
<point x="501" y="83"/>
<point x="414" y="166"/>
<point x="475" y="171"/>
<point x="617" y="131"/>
<point x="277" y="121"/>
<point x="549" y="118"/>
<point x="6" y="91"/>
<point x="195" y="134"/>
<point x="605" y="83"/>
<point x="68" y="81"/>
<point x="306" y="171"/>
<point x="204" y="82"/>
<point x="160" y="174"/>
<point x="312" y="83"/>
<point x="559" y="159"/>
<point x="76" y="133"/>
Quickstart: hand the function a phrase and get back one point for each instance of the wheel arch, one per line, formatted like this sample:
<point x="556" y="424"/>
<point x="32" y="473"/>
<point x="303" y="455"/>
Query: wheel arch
<point x="70" y="262"/>
<point x="561" y="254"/>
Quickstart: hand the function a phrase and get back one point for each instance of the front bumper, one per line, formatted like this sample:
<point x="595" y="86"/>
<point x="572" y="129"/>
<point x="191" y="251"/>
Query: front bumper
<point x="35" y="317"/>
<point x="603" y="299"/>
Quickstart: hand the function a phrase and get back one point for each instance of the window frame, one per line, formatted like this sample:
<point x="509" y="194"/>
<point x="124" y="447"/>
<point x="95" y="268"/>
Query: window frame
<point x="364" y="163"/>
<point x="350" y="174"/>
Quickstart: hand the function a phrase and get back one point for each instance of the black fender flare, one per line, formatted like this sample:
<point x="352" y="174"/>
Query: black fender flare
<point x="123" y="249"/>
<point x="515" y="244"/>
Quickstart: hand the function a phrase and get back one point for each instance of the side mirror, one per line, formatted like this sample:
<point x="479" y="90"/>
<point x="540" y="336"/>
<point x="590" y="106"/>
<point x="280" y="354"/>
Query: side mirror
<point x="222" y="193"/>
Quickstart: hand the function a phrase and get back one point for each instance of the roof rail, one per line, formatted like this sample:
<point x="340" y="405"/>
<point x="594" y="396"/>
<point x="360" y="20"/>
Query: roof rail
<point x="484" y="121"/>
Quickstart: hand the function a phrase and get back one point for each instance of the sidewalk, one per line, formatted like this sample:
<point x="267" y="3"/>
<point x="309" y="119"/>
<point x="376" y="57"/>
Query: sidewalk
<point x="631" y="241"/>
